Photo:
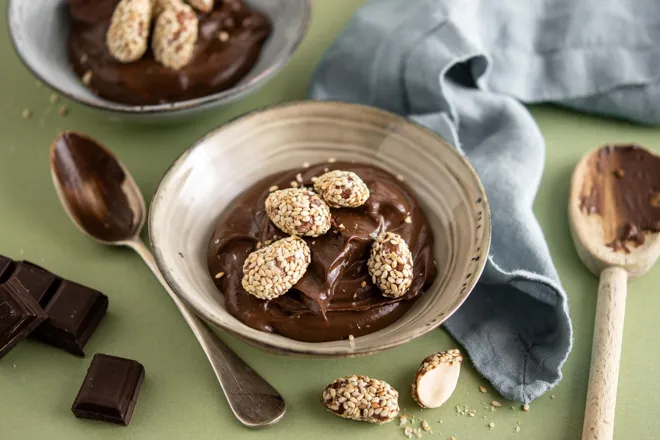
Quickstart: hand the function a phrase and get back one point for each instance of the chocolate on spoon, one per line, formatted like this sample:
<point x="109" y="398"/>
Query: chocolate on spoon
<point x="103" y="200"/>
<point x="614" y="212"/>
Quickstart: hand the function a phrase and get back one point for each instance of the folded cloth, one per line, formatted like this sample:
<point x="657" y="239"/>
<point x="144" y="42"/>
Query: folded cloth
<point x="459" y="67"/>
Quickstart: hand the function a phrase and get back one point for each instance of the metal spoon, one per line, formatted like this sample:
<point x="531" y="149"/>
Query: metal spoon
<point x="104" y="202"/>
<point x="595" y="229"/>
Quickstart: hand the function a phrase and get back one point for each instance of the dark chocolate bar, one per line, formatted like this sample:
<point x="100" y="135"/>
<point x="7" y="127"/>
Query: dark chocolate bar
<point x="74" y="311"/>
<point x="110" y="390"/>
<point x="20" y="314"/>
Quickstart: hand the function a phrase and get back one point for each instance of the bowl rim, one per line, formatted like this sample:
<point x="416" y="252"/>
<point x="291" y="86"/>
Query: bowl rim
<point x="153" y="109"/>
<point x="304" y="351"/>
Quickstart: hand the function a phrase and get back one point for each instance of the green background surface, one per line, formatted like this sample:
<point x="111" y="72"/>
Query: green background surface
<point x="181" y="398"/>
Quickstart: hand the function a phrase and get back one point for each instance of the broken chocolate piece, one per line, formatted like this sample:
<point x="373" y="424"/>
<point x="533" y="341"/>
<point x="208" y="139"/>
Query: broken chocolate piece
<point x="110" y="390"/>
<point x="6" y="268"/>
<point x="73" y="312"/>
<point x="19" y="315"/>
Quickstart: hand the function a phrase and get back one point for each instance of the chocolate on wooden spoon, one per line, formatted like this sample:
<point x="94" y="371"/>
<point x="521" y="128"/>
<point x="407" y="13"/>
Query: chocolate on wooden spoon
<point x="614" y="212"/>
<point x="104" y="202"/>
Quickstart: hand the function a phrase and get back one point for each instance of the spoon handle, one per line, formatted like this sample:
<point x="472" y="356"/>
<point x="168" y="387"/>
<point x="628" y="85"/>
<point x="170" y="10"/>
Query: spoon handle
<point x="254" y="402"/>
<point x="605" y="355"/>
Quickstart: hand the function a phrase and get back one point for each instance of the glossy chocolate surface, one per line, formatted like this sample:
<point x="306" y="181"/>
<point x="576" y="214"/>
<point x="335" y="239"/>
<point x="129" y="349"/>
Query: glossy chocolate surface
<point x="624" y="189"/>
<point x="20" y="314"/>
<point x="216" y="65"/>
<point x="329" y="302"/>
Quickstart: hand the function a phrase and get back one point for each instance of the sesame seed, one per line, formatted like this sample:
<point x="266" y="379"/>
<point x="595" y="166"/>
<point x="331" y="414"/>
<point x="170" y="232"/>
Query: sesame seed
<point x="63" y="111"/>
<point x="552" y="396"/>
<point x="27" y="114"/>
<point x="482" y="389"/>
<point x="217" y="240"/>
<point x="400" y="178"/>
<point x="425" y="425"/>
<point x="517" y="429"/>
<point x="259" y="245"/>
<point x="294" y="184"/>
<point x="408" y="220"/>
<point x="332" y="160"/>
<point x="219" y="275"/>
<point x="351" y="337"/>
<point x="408" y="432"/>
<point x="272" y="188"/>
<point x="491" y="425"/>
<point x="299" y="178"/>
<point x="305" y="165"/>
<point x="87" y="78"/>
<point x="363" y="284"/>
<point x="496" y="404"/>
<point x="326" y="169"/>
<point x="525" y="407"/>
<point x="223" y="36"/>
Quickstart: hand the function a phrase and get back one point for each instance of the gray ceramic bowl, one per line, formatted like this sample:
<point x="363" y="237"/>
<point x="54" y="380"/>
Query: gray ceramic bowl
<point x="39" y="29"/>
<point x="205" y="180"/>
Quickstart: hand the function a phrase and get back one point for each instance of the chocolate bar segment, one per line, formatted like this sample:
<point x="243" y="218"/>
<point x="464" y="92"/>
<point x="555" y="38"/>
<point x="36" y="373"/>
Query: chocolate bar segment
<point x="6" y="268"/>
<point x="110" y="390"/>
<point x="73" y="312"/>
<point x="39" y="282"/>
<point x="20" y="314"/>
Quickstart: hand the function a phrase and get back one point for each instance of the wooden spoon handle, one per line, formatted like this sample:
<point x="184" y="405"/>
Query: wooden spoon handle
<point x="605" y="355"/>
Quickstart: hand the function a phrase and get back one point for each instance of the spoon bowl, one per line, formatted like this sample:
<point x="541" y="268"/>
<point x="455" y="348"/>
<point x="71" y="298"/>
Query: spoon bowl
<point x="103" y="200"/>
<point x="97" y="192"/>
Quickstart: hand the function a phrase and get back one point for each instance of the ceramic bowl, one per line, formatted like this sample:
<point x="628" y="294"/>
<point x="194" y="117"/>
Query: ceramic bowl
<point x="39" y="30"/>
<point x="205" y="180"/>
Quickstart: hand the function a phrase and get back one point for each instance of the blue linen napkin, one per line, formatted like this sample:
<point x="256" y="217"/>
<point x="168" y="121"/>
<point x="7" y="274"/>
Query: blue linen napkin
<point x="459" y="67"/>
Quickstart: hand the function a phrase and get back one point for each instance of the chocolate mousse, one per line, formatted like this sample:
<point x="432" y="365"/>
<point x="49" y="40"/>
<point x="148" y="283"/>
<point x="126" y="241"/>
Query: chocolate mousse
<point x="229" y="41"/>
<point x="623" y="188"/>
<point x="336" y="297"/>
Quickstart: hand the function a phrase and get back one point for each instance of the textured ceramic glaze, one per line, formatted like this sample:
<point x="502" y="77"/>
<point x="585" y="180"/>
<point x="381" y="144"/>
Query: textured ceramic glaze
<point x="39" y="30"/>
<point x="206" y="178"/>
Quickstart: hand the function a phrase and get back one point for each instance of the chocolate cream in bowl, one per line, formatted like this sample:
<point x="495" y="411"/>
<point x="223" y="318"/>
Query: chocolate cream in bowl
<point x="336" y="297"/>
<point x="216" y="65"/>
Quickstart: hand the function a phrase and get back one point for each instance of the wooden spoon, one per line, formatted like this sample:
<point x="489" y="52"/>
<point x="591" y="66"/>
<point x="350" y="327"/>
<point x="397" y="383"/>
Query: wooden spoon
<point x="105" y="203"/>
<point x="614" y="210"/>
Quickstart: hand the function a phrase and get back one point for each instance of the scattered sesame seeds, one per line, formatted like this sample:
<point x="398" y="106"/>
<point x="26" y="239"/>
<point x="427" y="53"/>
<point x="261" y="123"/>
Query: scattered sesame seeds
<point x="326" y="169"/>
<point x="425" y="425"/>
<point x="491" y="425"/>
<point x="362" y="398"/>
<point x="259" y="245"/>
<point x="293" y="184"/>
<point x="483" y="389"/>
<point x="391" y="265"/>
<point x="517" y="429"/>
<point x="363" y="284"/>
<point x="525" y="407"/>
<point x="298" y="212"/>
<point x="351" y="337"/>
<point x="342" y="189"/>
<point x="219" y="275"/>
<point x="53" y="98"/>
<point x="305" y="165"/>
<point x="496" y="404"/>
<point x="299" y="178"/>
<point x="400" y="178"/>
<point x="407" y="220"/>
<point x="332" y="160"/>
<point x="267" y="242"/>
<point x="26" y="113"/>
<point x="87" y="78"/>
<point x="451" y="437"/>
<point x="315" y="179"/>
<point x="270" y="272"/>
<point x="273" y="188"/>
<point x="223" y="36"/>
<point x="217" y="240"/>
<point x="552" y="396"/>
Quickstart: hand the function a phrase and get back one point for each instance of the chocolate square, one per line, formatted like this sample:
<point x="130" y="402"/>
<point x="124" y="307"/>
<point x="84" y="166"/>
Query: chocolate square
<point x="73" y="312"/>
<point x="110" y="390"/>
<point x="6" y="268"/>
<point x="39" y="282"/>
<point x="19" y="315"/>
